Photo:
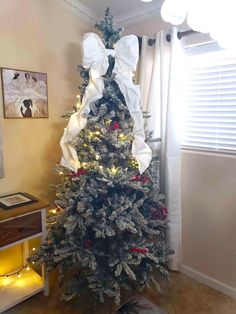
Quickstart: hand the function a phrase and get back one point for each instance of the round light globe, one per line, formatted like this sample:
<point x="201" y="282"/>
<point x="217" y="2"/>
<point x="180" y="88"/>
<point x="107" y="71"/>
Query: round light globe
<point x="174" y="12"/>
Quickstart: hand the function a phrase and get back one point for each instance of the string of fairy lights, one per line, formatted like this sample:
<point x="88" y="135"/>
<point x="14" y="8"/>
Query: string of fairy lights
<point x="93" y="134"/>
<point x="18" y="272"/>
<point x="54" y="211"/>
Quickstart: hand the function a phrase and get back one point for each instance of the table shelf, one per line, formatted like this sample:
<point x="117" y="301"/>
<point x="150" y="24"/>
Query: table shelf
<point x="20" y="225"/>
<point x="14" y="290"/>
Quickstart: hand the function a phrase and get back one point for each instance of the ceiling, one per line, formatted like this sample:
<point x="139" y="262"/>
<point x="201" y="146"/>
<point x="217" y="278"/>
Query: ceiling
<point x="126" y="12"/>
<point x="118" y="7"/>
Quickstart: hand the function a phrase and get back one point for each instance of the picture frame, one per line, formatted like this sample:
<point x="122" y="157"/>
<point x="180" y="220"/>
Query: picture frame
<point x="16" y="200"/>
<point x="25" y="94"/>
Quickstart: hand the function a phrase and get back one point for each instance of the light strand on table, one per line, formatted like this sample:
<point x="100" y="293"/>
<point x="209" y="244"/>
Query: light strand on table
<point x="17" y="272"/>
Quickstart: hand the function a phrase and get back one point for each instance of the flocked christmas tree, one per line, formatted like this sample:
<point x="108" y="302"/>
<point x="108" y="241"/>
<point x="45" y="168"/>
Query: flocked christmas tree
<point x="109" y="232"/>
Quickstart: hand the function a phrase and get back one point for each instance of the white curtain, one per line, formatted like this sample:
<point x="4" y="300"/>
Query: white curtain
<point x="161" y="68"/>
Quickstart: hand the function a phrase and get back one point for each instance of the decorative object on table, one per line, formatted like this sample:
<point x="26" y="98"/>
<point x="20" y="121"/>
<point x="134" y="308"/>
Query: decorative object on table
<point x="139" y="305"/>
<point x="24" y="94"/>
<point x="15" y="200"/>
<point x="18" y="226"/>
<point x="104" y="239"/>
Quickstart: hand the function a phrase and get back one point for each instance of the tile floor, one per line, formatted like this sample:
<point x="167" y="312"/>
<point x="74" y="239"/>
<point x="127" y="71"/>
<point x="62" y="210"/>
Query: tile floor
<point x="183" y="296"/>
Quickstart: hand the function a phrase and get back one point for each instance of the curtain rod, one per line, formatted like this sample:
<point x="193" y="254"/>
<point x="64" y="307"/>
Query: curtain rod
<point x="180" y="35"/>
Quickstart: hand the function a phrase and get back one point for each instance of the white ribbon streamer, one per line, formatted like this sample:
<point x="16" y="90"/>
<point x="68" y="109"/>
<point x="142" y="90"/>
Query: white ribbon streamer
<point x="95" y="57"/>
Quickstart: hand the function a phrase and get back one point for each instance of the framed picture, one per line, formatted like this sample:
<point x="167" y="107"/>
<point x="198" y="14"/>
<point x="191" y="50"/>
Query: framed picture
<point x="24" y="94"/>
<point x="16" y="200"/>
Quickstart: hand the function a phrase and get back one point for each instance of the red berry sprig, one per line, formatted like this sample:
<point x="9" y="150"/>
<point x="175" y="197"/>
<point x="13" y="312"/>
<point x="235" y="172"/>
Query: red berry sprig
<point x="114" y="126"/>
<point x="141" y="179"/>
<point x="76" y="174"/>
<point x="88" y="244"/>
<point x="158" y="213"/>
<point x="139" y="250"/>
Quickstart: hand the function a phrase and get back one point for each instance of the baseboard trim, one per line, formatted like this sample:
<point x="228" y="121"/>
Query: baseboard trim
<point x="209" y="281"/>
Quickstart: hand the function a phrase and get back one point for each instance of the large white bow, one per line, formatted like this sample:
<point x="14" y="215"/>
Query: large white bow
<point x="95" y="58"/>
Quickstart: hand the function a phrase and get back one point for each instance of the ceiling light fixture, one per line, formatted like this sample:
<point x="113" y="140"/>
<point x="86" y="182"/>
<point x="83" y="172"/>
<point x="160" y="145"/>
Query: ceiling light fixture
<point x="205" y="16"/>
<point x="146" y="0"/>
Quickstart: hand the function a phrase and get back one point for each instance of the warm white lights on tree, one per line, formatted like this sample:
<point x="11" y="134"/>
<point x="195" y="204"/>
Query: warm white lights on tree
<point x="215" y="17"/>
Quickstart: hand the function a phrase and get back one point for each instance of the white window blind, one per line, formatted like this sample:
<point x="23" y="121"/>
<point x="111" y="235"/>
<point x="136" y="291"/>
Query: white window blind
<point x="210" y="109"/>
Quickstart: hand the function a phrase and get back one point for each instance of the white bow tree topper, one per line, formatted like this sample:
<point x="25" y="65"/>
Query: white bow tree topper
<point x="95" y="58"/>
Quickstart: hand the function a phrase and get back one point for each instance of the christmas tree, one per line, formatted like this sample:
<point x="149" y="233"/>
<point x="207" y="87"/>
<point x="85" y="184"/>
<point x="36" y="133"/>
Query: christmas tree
<point x="109" y="230"/>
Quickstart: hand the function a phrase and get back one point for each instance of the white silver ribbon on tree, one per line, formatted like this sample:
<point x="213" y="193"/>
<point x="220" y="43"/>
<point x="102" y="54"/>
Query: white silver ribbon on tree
<point x="95" y="58"/>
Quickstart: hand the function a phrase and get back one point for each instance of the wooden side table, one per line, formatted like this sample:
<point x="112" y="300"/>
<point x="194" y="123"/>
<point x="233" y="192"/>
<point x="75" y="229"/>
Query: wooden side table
<point x="19" y="225"/>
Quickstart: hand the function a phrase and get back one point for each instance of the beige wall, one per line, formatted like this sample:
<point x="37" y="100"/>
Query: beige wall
<point x="209" y="214"/>
<point x="209" y="202"/>
<point x="41" y="36"/>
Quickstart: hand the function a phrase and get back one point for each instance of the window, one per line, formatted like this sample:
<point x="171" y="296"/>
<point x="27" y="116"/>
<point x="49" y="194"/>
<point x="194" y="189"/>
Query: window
<point x="210" y="110"/>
